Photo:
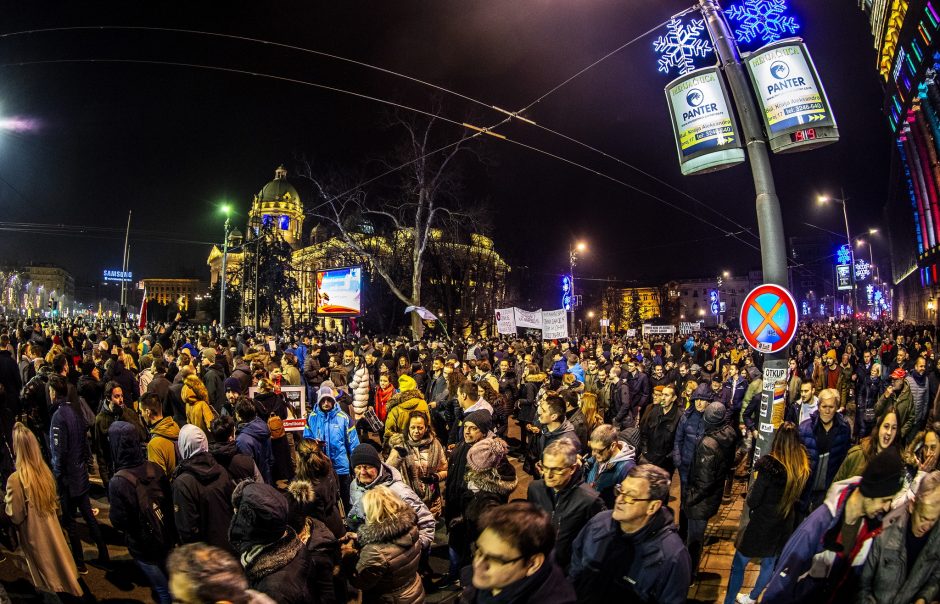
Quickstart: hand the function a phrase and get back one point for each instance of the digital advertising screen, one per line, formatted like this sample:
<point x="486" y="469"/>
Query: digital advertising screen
<point x="339" y="292"/>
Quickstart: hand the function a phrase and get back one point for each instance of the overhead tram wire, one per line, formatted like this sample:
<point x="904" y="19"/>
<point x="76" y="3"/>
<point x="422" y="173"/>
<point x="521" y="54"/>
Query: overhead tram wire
<point x="478" y="132"/>
<point x="363" y="64"/>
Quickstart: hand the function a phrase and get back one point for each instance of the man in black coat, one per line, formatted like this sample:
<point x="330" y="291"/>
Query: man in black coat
<point x="512" y="559"/>
<point x="658" y="431"/>
<point x="160" y="385"/>
<point x="563" y="494"/>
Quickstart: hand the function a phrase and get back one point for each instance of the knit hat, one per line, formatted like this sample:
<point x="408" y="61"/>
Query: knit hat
<point x="406" y="382"/>
<point x="695" y="368"/>
<point x="486" y="454"/>
<point x="753" y="373"/>
<point x="882" y="476"/>
<point x="898" y="374"/>
<point x="831" y="353"/>
<point x="482" y="419"/>
<point x="365" y="455"/>
<point x="232" y="385"/>
<point x="208" y="354"/>
<point x="714" y="414"/>
<point x="260" y="515"/>
<point x="702" y="393"/>
<point x="192" y="440"/>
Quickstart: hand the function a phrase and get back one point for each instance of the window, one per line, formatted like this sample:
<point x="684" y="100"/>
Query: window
<point x="695" y="293"/>
<point x="285" y="223"/>
<point x="266" y="220"/>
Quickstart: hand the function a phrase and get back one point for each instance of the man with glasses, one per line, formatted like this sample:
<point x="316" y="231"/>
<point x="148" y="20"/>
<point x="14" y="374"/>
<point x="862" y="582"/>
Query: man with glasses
<point x="562" y="493"/>
<point x="633" y="553"/>
<point x="511" y="559"/>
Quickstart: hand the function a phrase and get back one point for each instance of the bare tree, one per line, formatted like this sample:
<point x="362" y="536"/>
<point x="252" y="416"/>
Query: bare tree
<point x="424" y="200"/>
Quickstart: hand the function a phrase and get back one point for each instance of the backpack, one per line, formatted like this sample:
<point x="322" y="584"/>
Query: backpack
<point x="154" y="510"/>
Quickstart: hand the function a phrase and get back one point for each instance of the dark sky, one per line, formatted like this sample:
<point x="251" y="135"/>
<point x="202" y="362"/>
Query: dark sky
<point x="171" y="142"/>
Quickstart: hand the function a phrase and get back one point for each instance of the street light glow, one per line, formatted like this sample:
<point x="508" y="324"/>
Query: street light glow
<point x="581" y="246"/>
<point x="822" y="199"/>
<point x="590" y="314"/>
<point x="226" y="209"/>
<point x="872" y="231"/>
<point x="725" y="274"/>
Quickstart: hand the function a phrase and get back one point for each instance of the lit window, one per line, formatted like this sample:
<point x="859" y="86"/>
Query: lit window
<point x="266" y="220"/>
<point x="284" y="223"/>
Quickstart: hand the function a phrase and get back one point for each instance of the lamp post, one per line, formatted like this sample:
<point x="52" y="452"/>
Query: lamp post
<point x="225" y="209"/>
<point x="572" y="261"/>
<point x="848" y="239"/>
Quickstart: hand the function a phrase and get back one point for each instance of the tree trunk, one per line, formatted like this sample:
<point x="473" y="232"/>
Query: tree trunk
<point x="417" y="324"/>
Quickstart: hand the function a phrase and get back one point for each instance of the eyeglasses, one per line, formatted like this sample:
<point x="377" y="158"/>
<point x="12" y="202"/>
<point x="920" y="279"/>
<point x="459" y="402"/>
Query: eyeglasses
<point x="596" y="450"/>
<point x="480" y="555"/>
<point x="551" y="471"/>
<point x="618" y="493"/>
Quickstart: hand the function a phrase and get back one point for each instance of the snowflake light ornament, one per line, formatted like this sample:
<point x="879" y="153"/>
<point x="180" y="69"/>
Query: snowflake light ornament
<point x="680" y="47"/>
<point x="844" y="254"/>
<point x="862" y="270"/>
<point x="762" y="19"/>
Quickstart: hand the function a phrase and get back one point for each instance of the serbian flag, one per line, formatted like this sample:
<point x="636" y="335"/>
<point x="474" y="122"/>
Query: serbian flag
<point x="143" y="312"/>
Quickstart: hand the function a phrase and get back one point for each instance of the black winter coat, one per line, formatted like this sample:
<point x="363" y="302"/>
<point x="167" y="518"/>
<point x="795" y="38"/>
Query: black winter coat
<point x="281" y="571"/>
<point x="570" y="508"/>
<point x="70" y="452"/>
<point x="658" y="435"/>
<point x="202" y="501"/>
<point x="767" y="529"/>
<point x="547" y="586"/>
<point x="714" y="455"/>
<point x="238" y="465"/>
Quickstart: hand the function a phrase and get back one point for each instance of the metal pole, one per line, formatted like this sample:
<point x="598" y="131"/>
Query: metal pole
<point x="769" y="219"/>
<point x="222" y="278"/>
<point x="848" y="239"/>
<point x="127" y="235"/>
<point x="573" y="299"/>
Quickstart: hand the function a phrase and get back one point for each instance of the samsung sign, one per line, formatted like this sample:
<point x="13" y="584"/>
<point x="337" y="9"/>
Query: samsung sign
<point x="706" y="134"/>
<point x="118" y="276"/>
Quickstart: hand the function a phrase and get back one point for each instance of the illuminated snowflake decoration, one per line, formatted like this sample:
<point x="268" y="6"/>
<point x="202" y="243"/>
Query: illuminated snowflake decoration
<point x="761" y="19"/>
<point x="862" y="270"/>
<point x="844" y="254"/>
<point x="680" y="47"/>
<point x="870" y="290"/>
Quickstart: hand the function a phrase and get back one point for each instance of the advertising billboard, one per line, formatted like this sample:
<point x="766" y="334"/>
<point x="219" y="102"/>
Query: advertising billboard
<point x="792" y="100"/>
<point x="115" y="276"/>
<point x="843" y="277"/>
<point x="706" y="134"/>
<point x="339" y="292"/>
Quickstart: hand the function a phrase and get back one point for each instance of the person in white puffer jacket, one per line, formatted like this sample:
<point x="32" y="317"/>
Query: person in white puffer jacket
<point x="359" y="388"/>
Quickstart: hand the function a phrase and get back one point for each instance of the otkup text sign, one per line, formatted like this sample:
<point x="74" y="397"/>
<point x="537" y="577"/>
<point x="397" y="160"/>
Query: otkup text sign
<point x="768" y="318"/>
<point x="706" y="134"/>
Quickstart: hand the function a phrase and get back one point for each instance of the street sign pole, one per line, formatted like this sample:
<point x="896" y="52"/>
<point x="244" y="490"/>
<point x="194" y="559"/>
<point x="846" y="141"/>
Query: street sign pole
<point x="769" y="219"/>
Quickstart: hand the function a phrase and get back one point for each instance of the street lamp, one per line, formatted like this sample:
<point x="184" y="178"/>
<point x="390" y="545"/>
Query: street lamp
<point x="225" y="210"/>
<point x="824" y="199"/>
<point x="576" y="248"/>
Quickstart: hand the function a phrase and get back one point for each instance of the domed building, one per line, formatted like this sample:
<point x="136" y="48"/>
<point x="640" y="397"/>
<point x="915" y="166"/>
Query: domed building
<point x="278" y="204"/>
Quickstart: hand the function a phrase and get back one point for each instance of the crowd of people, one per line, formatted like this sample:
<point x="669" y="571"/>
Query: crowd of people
<point x="410" y="447"/>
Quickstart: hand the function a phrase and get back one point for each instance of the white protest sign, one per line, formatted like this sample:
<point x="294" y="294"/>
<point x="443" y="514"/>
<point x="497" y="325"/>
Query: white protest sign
<point x="631" y="333"/>
<point x="505" y="321"/>
<point x="528" y="318"/>
<point x="554" y="324"/>
<point x="658" y="329"/>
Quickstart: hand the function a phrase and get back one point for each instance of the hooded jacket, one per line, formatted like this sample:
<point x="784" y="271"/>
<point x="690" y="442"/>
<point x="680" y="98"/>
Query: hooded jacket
<point x="359" y="389"/>
<point x="885" y="577"/>
<point x="319" y="501"/>
<point x="571" y="508"/>
<point x="107" y="416"/>
<point x="254" y="439"/>
<point x="275" y="560"/>
<point x="714" y="455"/>
<point x="214" y="378"/>
<point x="689" y="431"/>
<point x="399" y="407"/>
<point x="337" y="432"/>
<point x="238" y="465"/>
<point x="545" y="438"/>
<point x="768" y="529"/>
<point x="651" y="565"/>
<point x="163" y="447"/>
<point x="202" y="493"/>
<point x="391" y="478"/>
<point x="125" y="511"/>
<point x="807" y="549"/>
<point x="903" y="401"/>
<point x="604" y="476"/>
<point x="196" y="397"/>
<point x="387" y="569"/>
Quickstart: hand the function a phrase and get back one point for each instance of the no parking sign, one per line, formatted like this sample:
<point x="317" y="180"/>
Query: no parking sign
<point x="768" y="318"/>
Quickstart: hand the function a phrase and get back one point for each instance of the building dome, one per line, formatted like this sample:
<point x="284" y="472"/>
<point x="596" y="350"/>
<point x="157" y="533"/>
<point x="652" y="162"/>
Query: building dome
<point x="278" y="204"/>
<point x="279" y="189"/>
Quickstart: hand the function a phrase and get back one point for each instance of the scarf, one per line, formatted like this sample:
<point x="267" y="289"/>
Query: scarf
<point x="416" y="469"/>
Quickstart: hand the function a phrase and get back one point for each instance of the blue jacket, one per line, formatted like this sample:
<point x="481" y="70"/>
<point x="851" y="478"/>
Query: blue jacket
<point x="659" y="568"/>
<point x="604" y="477"/>
<point x="339" y="434"/>
<point x="254" y="439"/>
<point x="840" y="441"/>
<point x="689" y="431"/>
<point x="733" y="402"/>
<point x="70" y="450"/>
<point x="806" y="549"/>
<point x="578" y="371"/>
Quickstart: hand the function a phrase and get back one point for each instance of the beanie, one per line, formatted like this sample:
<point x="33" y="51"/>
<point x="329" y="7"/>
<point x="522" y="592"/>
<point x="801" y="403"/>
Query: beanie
<point x="882" y="476"/>
<point x="365" y="455"/>
<point x="406" y="382"/>
<point x="715" y="414"/>
<point x="232" y="385"/>
<point x="482" y="419"/>
<point x="486" y="454"/>
<point x="702" y="393"/>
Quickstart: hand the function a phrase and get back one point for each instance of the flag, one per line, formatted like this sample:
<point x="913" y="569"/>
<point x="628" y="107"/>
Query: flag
<point x="143" y="312"/>
<point x="424" y="313"/>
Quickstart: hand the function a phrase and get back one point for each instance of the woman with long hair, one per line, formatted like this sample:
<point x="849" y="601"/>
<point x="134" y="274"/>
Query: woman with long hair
<point x="589" y="408"/>
<point x="33" y="505"/>
<point x="314" y="492"/>
<point x="420" y="458"/>
<point x="884" y="436"/>
<point x="781" y="476"/>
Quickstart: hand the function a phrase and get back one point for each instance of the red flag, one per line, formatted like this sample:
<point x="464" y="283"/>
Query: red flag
<point x="143" y="312"/>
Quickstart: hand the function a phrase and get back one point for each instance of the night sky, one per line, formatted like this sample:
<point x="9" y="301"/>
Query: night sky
<point x="172" y="142"/>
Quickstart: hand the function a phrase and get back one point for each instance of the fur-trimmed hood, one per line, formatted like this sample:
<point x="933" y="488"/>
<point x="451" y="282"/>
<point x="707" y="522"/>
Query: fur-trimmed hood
<point x="261" y="562"/>
<point x="390" y="529"/>
<point x="538" y="378"/>
<point x="492" y="481"/>
<point x="403" y="398"/>
<point x="302" y="492"/>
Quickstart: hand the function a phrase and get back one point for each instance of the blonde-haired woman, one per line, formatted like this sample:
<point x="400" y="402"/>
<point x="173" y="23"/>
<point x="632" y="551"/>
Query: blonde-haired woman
<point x="592" y="418"/>
<point x="389" y="553"/>
<point x="33" y="505"/>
